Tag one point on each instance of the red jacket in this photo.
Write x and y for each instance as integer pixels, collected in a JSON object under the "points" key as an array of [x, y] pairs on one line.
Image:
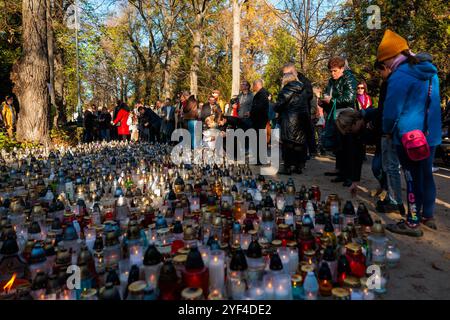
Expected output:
{"points": [[122, 116]]}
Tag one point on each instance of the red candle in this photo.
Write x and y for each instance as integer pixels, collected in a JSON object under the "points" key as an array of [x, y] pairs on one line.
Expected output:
{"points": [[196, 278]]}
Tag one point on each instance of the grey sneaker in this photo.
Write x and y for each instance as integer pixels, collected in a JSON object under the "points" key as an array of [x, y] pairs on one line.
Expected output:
{"points": [[404, 229]]}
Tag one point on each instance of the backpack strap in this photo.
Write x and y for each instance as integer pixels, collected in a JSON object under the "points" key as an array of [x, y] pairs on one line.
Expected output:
{"points": [[427, 108]]}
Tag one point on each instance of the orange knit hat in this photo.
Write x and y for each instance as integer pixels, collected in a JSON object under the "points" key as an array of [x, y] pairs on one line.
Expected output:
{"points": [[391, 45]]}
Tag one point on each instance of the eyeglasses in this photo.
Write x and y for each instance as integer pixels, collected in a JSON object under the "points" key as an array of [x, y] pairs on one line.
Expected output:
{"points": [[360, 88]]}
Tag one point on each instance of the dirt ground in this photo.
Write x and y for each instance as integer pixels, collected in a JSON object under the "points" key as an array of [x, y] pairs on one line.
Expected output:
{"points": [[424, 269]]}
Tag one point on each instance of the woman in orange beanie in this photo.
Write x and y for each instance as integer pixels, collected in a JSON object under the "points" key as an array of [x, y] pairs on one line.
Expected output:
{"points": [[412, 105]]}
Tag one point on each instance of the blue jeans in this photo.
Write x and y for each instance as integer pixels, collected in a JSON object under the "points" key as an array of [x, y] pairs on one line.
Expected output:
{"points": [[421, 185], [105, 135], [391, 166], [378, 172]]}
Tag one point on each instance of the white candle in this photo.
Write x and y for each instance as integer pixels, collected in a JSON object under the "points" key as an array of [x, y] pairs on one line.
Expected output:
{"points": [[268, 287], [293, 260], [289, 218], [204, 251], [368, 295], [136, 257], [123, 283], [237, 287], [217, 270], [282, 287], [90, 235], [285, 259], [356, 295], [245, 240], [256, 293]]}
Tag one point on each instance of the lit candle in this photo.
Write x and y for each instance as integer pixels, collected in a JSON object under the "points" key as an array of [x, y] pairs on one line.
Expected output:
{"points": [[356, 294], [285, 259], [136, 257], [204, 251], [293, 260], [282, 285], [237, 286], [392, 256], [217, 270], [245, 240], [256, 293], [268, 287], [368, 295], [90, 236]]}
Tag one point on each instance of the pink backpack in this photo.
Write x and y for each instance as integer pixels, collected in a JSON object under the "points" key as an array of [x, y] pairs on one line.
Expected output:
{"points": [[415, 141]]}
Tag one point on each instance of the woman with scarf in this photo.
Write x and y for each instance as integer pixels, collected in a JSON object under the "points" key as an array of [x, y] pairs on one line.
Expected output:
{"points": [[363, 99], [412, 109]]}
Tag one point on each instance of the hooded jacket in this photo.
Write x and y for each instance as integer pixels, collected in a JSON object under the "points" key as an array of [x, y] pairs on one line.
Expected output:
{"points": [[292, 105], [404, 107]]}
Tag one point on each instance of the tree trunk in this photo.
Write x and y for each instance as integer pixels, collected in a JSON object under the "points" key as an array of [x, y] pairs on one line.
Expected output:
{"points": [[236, 60], [166, 91], [59, 69], [148, 85], [32, 74], [51, 61], [195, 66]]}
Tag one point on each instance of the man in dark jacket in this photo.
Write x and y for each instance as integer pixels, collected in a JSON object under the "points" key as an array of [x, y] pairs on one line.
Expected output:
{"points": [[104, 124], [210, 108], [150, 124], [259, 112]]}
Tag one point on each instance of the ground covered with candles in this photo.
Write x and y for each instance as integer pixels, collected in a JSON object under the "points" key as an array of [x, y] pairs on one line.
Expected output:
{"points": [[122, 221]]}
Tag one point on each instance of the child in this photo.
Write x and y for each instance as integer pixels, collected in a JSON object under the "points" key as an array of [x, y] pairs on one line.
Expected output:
{"points": [[133, 124]]}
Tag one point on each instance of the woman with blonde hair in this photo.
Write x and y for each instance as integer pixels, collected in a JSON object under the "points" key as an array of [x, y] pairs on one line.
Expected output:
{"points": [[293, 109]]}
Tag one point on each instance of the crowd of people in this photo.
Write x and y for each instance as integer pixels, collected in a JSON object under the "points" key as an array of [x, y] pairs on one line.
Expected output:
{"points": [[404, 125]]}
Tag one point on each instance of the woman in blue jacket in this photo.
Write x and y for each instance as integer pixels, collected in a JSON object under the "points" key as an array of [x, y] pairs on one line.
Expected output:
{"points": [[404, 111]]}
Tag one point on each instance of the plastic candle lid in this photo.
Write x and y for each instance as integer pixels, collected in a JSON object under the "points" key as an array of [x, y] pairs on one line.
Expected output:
{"points": [[89, 293], [192, 293], [307, 268], [137, 286], [352, 282], [296, 278], [180, 259], [276, 243], [340, 292]]}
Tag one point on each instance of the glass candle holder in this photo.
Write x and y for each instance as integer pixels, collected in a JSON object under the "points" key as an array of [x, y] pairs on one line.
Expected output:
{"points": [[245, 240], [392, 256], [282, 287], [297, 287], [268, 286], [311, 286], [236, 285], [217, 271], [136, 255]]}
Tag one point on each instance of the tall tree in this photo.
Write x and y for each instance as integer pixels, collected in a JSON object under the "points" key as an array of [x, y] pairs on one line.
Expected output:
{"points": [[31, 75], [199, 10], [236, 62]]}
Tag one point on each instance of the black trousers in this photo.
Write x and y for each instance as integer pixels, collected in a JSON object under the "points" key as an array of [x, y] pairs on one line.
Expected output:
{"points": [[351, 157], [293, 154]]}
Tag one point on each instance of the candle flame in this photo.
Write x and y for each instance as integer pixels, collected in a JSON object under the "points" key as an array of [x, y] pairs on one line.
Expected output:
{"points": [[8, 286], [216, 259]]}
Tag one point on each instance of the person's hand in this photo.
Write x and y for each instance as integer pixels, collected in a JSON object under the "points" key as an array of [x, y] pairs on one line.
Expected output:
{"points": [[223, 133], [353, 189], [326, 99]]}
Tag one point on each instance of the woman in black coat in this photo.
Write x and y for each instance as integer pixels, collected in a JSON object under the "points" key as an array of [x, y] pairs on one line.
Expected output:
{"points": [[293, 107]]}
